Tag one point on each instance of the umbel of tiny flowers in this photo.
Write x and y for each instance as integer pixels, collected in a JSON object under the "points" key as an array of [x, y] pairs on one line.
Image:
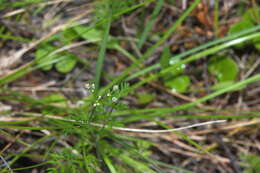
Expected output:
{"points": [[114, 99], [96, 104], [108, 100], [115, 87], [90, 87]]}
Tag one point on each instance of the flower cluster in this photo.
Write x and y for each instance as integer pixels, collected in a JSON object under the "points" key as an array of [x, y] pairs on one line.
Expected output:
{"points": [[111, 96], [90, 87]]}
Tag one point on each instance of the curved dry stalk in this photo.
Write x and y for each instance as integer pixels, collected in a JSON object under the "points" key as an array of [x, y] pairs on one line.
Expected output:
{"points": [[133, 129]]}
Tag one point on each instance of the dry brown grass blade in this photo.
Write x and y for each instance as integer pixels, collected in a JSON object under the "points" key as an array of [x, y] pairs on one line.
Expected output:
{"points": [[226, 127], [193, 154]]}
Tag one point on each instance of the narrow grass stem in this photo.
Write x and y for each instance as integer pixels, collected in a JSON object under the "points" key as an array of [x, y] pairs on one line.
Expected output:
{"points": [[101, 54]]}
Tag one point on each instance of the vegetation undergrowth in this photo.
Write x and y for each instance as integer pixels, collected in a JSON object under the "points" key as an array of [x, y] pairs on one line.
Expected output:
{"points": [[88, 136]]}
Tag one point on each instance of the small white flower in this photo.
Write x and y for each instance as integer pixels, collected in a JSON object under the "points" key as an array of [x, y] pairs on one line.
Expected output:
{"points": [[99, 97], [93, 86], [116, 87], [80, 102], [108, 94], [114, 99], [87, 86], [94, 104], [172, 62]]}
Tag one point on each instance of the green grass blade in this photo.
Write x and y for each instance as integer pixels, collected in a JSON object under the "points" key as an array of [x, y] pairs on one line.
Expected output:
{"points": [[109, 164], [181, 170], [101, 54], [196, 57], [28, 68], [17, 74], [152, 49], [149, 25], [160, 111], [126, 53], [196, 49]]}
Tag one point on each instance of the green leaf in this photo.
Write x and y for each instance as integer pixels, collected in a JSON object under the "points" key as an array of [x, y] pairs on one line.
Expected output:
{"points": [[113, 43], [54, 98], [240, 26], [179, 84], [176, 71], [252, 15], [43, 58], [223, 67], [256, 42], [90, 34], [66, 64], [165, 58], [69, 35], [257, 46], [145, 98], [66, 60], [253, 162]]}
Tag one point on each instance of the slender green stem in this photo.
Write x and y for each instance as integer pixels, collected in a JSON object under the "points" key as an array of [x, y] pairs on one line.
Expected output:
{"points": [[101, 54], [149, 25]]}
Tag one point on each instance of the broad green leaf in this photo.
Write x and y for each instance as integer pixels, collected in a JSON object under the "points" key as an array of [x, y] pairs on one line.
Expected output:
{"points": [[95, 35], [43, 59], [252, 15], [66, 64], [240, 26], [223, 67], [92, 35], [145, 98], [69, 35], [179, 83]]}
